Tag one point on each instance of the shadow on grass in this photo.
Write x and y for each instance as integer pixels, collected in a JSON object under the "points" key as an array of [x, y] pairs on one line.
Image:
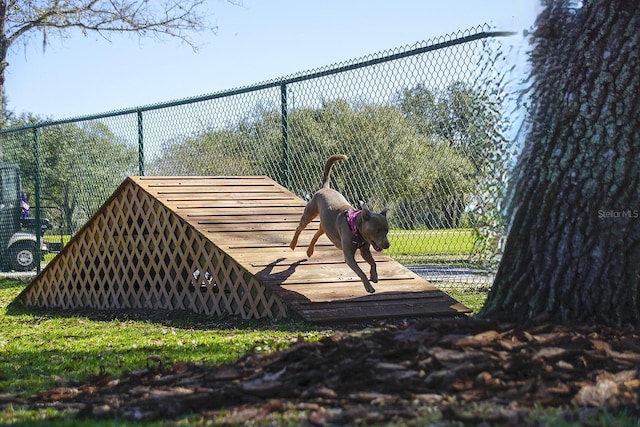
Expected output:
{"points": [[182, 319], [9, 283]]}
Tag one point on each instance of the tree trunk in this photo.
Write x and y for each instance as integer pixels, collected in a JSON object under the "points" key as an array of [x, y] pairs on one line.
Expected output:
{"points": [[573, 248]]}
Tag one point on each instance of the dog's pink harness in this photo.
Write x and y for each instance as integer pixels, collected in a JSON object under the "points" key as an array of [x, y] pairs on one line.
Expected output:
{"points": [[351, 215]]}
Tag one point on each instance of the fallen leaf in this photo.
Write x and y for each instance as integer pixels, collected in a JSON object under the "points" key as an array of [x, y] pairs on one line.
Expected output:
{"points": [[479, 340], [549, 353], [599, 394]]}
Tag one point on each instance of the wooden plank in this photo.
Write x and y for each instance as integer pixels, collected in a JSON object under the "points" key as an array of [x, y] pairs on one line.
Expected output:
{"points": [[304, 273], [313, 262], [246, 227], [246, 238], [359, 313], [274, 256], [327, 276], [177, 197], [353, 287], [217, 191], [157, 182], [437, 303], [297, 253], [350, 283], [346, 282], [309, 262], [279, 254], [339, 295], [273, 217], [276, 220], [381, 301], [258, 210], [228, 204], [240, 224]]}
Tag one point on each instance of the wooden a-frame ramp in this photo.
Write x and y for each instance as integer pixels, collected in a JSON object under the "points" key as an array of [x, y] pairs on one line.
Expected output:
{"points": [[220, 246]]}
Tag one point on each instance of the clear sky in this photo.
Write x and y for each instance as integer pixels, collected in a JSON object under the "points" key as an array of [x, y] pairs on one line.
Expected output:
{"points": [[257, 41]]}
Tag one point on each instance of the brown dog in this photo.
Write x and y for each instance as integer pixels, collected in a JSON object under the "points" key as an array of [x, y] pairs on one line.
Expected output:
{"points": [[347, 228]]}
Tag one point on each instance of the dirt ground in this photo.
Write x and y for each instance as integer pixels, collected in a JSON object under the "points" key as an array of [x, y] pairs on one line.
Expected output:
{"points": [[396, 373]]}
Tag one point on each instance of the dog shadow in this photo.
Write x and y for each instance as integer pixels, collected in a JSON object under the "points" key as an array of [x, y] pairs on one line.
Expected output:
{"points": [[273, 281], [278, 278]]}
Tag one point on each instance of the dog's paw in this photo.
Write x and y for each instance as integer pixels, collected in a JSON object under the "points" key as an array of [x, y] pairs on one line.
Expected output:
{"points": [[374, 277], [368, 287], [309, 252]]}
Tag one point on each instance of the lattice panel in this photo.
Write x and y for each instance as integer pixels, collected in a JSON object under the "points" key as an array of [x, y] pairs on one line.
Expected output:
{"points": [[136, 253]]}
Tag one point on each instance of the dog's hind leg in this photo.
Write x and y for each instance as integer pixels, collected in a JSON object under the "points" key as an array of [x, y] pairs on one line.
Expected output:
{"points": [[310, 212], [315, 238]]}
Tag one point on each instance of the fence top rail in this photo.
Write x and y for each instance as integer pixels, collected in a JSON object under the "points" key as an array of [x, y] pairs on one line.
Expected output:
{"points": [[477, 33]]}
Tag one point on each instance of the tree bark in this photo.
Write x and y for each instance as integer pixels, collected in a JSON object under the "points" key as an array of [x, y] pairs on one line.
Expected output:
{"points": [[573, 248]]}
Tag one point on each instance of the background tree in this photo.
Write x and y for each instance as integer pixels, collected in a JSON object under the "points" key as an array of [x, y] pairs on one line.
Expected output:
{"points": [[467, 120], [75, 192], [242, 148], [573, 248], [386, 168], [21, 20], [464, 117]]}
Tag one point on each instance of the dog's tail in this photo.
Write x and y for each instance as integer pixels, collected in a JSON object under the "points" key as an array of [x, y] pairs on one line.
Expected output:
{"points": [[327, 168]]}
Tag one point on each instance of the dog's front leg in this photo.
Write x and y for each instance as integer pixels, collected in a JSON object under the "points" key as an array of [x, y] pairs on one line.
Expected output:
{"points": [[349, 258], [365, 251]]}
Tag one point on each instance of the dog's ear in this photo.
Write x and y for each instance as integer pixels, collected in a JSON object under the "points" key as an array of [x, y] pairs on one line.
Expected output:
{"points": [[384, 211], [366, 213]]}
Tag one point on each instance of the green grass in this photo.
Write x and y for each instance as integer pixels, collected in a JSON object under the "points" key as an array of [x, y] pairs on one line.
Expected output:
{"points": [[474, 300], [39, 350], [450, 246], [55, 238]]}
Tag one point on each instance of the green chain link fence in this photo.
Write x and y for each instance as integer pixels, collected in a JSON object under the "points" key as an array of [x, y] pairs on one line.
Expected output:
{"points": [[422, 126]]}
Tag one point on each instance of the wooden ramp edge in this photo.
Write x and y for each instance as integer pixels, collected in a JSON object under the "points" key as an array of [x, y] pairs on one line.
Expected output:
{"points": [[220, 246]]}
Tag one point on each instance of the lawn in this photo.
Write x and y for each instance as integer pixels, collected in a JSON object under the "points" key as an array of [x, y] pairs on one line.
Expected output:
{"points": [[433, 242], [42, 350], [432, 246], [57, 240]]}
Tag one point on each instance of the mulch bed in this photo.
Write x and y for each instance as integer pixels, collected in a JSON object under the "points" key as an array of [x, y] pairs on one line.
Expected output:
{"points": [[395, 373]]}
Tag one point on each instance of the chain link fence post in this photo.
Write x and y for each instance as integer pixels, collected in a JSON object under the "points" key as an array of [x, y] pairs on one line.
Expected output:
{"points": [[37, 195], [140, 143], [284, 111]]}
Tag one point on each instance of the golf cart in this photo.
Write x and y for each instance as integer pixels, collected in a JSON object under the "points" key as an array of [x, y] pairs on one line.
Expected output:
{"points": [[18, 250]]}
